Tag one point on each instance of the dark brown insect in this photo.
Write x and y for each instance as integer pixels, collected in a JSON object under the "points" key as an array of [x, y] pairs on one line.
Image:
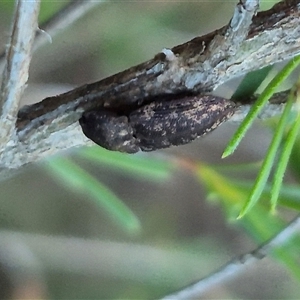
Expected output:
{"points": [[157, 125]]}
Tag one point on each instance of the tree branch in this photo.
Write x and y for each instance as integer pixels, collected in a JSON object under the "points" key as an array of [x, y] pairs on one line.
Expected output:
{"points": [[15, 76], [198, 66], [238, 265], [59, 21]]}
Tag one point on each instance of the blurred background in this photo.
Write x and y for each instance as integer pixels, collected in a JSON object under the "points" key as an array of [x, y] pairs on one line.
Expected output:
{"points": [[58, 242]]}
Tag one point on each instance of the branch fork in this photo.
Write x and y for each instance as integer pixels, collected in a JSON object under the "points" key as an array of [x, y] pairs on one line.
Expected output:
{"points": [[249, 42]]}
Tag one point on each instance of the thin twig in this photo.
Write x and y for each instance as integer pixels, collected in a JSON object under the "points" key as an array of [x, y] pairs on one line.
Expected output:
{"points": [[18, 56], [64, 18], [238, 265], [60, 21]]}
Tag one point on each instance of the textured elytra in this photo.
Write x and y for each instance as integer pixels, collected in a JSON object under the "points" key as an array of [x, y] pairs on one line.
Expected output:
{"points": [[177, 122], [157, 125]]}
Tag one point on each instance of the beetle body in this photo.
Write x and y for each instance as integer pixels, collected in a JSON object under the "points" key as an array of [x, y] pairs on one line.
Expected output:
{"points": [[159, 124]]}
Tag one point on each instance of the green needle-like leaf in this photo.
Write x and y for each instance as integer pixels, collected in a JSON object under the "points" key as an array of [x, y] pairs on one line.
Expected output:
{"points": [[259, 104], [268, 162], [283, 161], [289, 194], [81, 181], [141, 166]]}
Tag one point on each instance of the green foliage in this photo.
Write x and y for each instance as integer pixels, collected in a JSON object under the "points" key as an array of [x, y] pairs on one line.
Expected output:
{"points": [[269, 160], [294, 162], [79, 180], [140, 166], [259, 223], [284, 158], [259, 105]]}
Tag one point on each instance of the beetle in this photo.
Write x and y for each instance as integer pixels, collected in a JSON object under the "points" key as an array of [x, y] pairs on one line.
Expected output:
{"points": [[158, 124]]}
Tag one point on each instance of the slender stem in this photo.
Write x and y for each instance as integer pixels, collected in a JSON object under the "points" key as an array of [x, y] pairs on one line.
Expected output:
{"points": [[236, 266]]}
